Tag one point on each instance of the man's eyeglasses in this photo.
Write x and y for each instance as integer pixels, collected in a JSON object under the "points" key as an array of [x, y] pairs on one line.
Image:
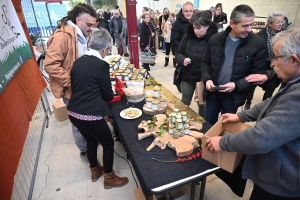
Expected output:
{"points": [[188, 11], [274, 58]]}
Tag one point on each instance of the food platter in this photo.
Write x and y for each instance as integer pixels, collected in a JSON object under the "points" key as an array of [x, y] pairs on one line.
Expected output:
{"points": [[131, 113]]}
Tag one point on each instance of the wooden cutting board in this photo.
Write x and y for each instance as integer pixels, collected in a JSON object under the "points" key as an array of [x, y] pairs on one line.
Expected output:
{"points": [[183, 146]]}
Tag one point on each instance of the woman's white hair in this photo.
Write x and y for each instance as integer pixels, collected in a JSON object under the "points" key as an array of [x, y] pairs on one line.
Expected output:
{"points": [[100, 39], [274, 14], [290, 43]]}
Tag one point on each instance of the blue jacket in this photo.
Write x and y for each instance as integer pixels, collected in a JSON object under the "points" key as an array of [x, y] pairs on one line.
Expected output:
{"points": [[273, 144]]}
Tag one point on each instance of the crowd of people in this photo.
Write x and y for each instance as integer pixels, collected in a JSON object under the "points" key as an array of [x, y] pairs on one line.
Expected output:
{"points": [[223, 65]]}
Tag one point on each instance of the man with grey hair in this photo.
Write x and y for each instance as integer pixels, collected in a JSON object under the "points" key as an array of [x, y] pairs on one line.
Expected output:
{"points": [[118, 27], [65, 45], [91, 90], [275, 21], [230, 57], [272, 144]]}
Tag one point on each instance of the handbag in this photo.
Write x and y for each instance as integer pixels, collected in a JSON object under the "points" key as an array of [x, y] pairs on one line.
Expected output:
{"points": [[120, 48], [147, 56], [177, 72], [176, 76]]}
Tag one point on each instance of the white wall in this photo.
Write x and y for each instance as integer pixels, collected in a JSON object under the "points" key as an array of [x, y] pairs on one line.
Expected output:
{"points": [[262, 8], [155, 5]]}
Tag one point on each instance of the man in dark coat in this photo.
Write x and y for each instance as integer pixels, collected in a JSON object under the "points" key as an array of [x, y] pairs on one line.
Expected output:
{"points": [[118, 26], [107, 17], [230, 57], [179, 28]]}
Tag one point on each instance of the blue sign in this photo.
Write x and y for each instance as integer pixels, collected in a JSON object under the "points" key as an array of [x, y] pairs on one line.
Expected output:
{"points": [[196, 4]]}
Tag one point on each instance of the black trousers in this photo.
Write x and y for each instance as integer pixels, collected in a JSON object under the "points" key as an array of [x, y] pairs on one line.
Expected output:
{"points": [[260, 194], [168, 49], [96, 132]]}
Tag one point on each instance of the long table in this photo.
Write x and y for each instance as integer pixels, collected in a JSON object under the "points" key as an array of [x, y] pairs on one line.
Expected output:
{"points": [[158, 177]]}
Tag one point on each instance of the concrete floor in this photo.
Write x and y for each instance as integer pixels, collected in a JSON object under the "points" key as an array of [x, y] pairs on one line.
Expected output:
{"points": [[62, 174]]}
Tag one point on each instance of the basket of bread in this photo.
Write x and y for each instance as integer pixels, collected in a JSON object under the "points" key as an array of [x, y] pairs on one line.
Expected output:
{"points": [[134, 94]]}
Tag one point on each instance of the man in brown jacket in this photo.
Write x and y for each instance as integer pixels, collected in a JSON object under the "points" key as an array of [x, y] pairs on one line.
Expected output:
{"points": [[66, 44]]}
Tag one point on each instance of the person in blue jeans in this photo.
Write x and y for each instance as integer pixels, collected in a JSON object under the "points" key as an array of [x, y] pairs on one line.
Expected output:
{"points": [[65, 45], [230, 57]]}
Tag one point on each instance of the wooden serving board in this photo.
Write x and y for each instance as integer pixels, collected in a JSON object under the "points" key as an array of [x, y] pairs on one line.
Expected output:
{"points": [[183, 146], [149, 111]]}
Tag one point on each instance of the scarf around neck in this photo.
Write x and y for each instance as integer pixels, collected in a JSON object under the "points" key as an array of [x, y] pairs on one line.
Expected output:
{"points": [[270, 35]]}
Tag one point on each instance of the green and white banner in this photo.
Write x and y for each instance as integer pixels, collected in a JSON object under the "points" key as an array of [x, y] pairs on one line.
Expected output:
{"points": [[14, 47]]}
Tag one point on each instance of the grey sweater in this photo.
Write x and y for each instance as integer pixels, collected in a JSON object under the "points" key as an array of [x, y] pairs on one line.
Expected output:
{"points": [[272, 146]]}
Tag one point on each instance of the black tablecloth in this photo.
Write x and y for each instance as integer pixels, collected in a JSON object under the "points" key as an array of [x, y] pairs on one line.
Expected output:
{"points": [[152, 174]]}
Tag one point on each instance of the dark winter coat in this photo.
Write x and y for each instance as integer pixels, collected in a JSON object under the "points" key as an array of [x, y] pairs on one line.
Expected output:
{"points": [[272, 76], [194, 48], [250, 58], [145, 31], [179, 28], [106, 16], [101, 22]]}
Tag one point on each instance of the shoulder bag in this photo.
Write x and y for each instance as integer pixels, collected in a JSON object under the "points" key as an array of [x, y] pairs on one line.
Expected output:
{"points": [[177, 72]]}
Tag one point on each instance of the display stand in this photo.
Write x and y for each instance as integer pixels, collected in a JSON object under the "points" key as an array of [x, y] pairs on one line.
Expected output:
{"points": [[119, 90]]}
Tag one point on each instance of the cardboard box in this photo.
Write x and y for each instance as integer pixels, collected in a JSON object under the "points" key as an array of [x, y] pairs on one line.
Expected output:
{"points": [[139, 195], [60, 110], [226, 160]]}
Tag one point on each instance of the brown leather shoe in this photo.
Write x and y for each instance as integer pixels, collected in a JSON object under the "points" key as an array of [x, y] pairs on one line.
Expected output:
{"points": [[112, 180], [96, 172]]}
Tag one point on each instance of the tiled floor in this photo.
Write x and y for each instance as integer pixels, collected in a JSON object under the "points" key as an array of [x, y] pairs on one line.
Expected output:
{"points": [[63, 175]]}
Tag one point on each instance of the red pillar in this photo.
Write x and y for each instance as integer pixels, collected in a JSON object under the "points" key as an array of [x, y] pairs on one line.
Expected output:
{"points": [[132, 32]]}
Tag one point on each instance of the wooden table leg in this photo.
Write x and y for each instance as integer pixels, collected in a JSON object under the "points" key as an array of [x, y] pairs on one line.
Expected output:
{"points": [[202, 188]]}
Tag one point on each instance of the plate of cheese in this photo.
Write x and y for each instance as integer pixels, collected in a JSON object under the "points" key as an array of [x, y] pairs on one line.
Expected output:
{"points": [[131, 113]]}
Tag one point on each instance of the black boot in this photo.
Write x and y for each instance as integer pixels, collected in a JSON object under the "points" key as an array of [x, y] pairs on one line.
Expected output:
{"points": [[166, 61], [174, 62]]}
